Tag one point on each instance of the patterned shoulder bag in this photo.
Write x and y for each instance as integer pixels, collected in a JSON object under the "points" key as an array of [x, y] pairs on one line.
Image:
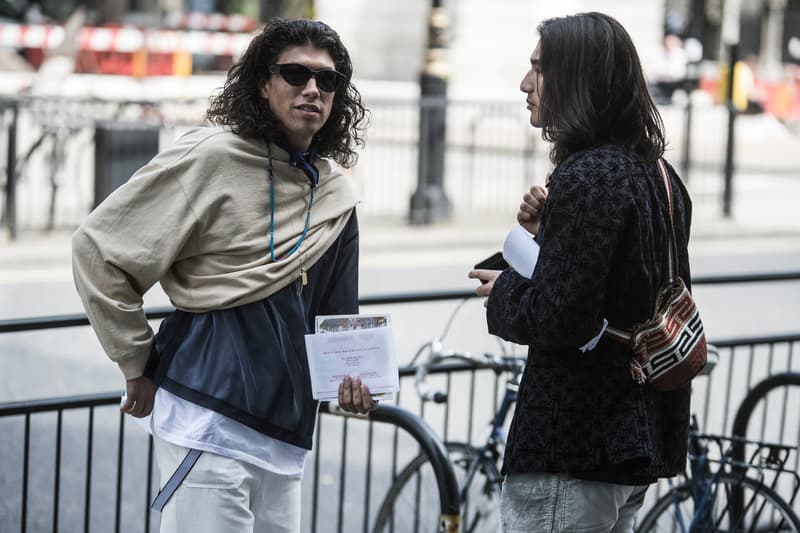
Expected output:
{"points": [[670, 348]]}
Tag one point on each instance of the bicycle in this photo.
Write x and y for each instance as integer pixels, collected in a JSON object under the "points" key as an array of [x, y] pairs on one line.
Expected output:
{"points": [[736, 495], [726, 498], [410, 503]]}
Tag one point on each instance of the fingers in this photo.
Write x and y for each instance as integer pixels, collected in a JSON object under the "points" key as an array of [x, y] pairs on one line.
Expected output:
{"points": [[127, 405], [144, 406], [529, 206], [486, 278], [530, 209], [346, 393], [136, 408], [140, 397], [368, 403], [527, 220], [485, 289], [355, 397], [358, 397], [484, 274], [533, 202], [538, 193]]}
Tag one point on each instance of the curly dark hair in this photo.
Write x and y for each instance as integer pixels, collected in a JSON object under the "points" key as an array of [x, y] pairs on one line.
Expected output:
{"points": [[594, 91], [240, 105]]}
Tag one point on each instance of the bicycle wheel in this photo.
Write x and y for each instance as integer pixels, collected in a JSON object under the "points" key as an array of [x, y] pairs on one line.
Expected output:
{"points": [[412, 503], [741, 505]]}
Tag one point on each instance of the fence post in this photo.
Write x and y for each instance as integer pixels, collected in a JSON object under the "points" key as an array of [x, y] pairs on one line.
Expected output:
{"points": [[11, 168], [429, 202], [686, 160], [731, 29], [727, 195]]}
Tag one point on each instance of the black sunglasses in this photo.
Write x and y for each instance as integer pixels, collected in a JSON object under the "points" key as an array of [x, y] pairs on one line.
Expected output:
{"points": [[295, 74]]}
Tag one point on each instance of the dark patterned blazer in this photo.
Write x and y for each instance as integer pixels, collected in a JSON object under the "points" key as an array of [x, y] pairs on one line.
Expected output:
{"points": [[603, 236]]}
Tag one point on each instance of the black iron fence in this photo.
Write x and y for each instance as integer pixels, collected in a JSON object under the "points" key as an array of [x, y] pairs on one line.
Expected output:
{"points": [[49, 150], [106, 482], [76, 464]]}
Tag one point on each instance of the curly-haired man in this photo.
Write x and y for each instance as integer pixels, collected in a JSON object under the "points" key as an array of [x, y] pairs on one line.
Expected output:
{"points": [[250, 227]]}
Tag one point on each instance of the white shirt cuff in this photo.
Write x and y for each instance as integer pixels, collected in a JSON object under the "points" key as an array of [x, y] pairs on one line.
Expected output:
{"points": [[593, 342]]}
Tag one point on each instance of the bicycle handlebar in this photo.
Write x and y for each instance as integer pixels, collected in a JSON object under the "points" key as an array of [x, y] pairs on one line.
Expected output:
{"points": [[437, 355]]}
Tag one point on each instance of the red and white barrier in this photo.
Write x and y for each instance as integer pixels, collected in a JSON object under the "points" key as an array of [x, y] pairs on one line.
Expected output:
{"points": [[210, 21], [126, 39]]}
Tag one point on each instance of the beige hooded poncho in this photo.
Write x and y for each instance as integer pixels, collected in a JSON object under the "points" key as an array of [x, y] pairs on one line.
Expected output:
{"points": [[196, 219]]}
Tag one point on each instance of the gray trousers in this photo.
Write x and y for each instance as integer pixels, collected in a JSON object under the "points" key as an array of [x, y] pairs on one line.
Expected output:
{"points": [[555, 503]]}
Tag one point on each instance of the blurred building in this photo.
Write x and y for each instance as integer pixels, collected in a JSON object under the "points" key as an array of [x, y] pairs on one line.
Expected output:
{"points": [[488, 43], [767, 27]]}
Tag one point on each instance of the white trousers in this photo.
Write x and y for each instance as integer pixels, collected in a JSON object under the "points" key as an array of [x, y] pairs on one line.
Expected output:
{"points": [[224, 495]]}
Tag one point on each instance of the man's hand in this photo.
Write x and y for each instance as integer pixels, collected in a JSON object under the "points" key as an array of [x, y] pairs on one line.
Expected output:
{"points": [[486, 278], [354, 396], [530, 210], [141, 394]]}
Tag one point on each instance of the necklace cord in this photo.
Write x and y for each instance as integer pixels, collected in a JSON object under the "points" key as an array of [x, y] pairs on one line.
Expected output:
{"points": [[272, 211]]}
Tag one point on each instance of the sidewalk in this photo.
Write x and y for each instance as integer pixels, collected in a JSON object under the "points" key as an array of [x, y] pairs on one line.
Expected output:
{"points": [[766, 219]]}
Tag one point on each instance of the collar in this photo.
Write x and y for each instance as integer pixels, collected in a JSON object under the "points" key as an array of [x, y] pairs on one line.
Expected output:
{"points": [[302, 160]]}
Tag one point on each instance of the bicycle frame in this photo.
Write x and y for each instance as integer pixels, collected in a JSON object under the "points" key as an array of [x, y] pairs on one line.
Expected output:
{"points": [[488, 450], [497, 434], [704, 481], [509, 398]]}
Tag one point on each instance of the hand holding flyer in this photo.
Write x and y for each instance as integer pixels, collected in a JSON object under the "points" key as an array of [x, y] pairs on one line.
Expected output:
{"points": [[354, 345]]}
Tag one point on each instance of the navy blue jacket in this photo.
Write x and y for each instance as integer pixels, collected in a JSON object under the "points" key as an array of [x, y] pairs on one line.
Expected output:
{"points": [[249, 362]]}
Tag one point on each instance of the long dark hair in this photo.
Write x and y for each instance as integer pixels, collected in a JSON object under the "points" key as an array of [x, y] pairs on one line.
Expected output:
{"points": [[593, 89], [241, 106]]}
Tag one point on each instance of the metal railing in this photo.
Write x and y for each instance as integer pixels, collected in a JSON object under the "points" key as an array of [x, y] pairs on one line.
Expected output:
{"points": [[116, 488], [59, 406], [76, 464]]}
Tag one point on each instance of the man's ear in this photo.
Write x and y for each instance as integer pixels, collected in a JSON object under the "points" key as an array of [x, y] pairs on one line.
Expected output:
{"points": [[263, 90]]}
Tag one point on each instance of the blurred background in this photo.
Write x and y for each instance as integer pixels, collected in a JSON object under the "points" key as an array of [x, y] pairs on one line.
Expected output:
{"points": [[83, 80]]}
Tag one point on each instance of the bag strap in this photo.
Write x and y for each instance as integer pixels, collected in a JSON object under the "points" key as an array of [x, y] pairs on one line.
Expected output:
{"points": [[623, 335], [672, 252]]}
